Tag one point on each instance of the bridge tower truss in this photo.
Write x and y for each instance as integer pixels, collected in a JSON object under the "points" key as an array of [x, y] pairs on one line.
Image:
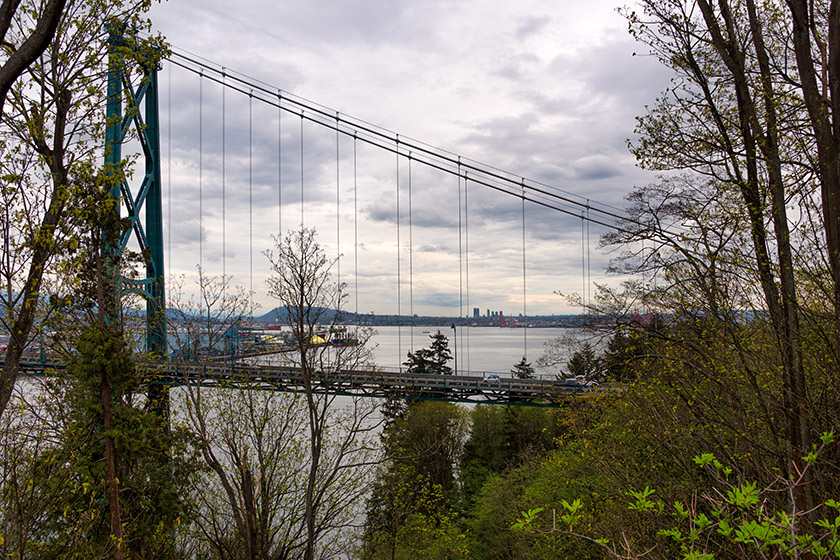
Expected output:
{"points": [[146, 196]]}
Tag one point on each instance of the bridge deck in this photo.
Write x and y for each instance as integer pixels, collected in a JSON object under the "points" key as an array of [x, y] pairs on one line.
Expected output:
{"points": [[372, 383]]}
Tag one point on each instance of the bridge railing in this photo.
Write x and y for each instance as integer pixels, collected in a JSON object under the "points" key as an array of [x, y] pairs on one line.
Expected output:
{"points": [[373, 381]]}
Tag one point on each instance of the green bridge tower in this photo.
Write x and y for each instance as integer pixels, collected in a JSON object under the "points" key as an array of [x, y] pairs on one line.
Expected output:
{"points": [[146, 196]]}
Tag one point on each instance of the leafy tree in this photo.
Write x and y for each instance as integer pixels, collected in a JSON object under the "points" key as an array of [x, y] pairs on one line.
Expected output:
{"points": [[339, 448], [624, 355], [523, 369], [415, 492], [502, 438], [123, 494], [742, 123], [120, 498], [52, 130], [732, 520], [408, 518], [22, 51], [28, 434]]}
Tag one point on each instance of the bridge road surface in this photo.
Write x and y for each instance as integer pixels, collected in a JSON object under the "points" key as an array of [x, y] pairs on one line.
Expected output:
{"points": [[372, 383]]}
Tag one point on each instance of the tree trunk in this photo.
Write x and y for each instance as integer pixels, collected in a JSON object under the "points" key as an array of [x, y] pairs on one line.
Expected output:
{"points": [[43, 244], [316, 435], [33, 47], [111, 470], [786, 319], [111, 481], [821, 111], [21, 326]]}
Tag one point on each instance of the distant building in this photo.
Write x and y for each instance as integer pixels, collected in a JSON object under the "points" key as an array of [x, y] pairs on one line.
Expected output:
{"points": [[476, 312]]}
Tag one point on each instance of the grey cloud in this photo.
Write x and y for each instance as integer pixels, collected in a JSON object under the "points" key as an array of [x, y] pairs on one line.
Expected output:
{"points": [[516, 66], [433, 249], [445, 300], [596, 166], [531, 25]]}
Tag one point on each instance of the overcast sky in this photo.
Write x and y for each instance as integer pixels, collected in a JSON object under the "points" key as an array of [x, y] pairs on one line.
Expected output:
{"points": [[545, 90]]}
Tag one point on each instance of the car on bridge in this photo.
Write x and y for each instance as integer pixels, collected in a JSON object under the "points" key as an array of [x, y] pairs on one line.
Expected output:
{"points": [[570, 383], [576, 384], [491, 379]]}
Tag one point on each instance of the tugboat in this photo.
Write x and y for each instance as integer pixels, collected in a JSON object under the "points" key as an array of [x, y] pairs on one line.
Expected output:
{"points": [[340, 338]]}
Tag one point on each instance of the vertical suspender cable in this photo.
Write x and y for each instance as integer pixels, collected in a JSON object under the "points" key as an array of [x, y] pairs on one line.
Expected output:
{"points": [[279, 166], [251, 196], [356, 230], [399, 279], [338, 210], [583, 260], [460, 253], [410, 260], [465, 333], [524, 289], [169, 171], [302, 221], [201, 170], [224, 181]]}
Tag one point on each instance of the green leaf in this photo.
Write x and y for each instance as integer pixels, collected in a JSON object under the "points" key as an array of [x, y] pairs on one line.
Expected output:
{"points": [[743, 496]]}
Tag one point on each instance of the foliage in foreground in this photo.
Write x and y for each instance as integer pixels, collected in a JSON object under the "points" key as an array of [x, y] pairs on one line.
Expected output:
{"points": [[735, 520], [56, 488]]}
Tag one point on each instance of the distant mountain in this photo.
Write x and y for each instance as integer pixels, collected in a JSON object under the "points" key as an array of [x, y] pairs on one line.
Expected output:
{"points": [[280, 315]]}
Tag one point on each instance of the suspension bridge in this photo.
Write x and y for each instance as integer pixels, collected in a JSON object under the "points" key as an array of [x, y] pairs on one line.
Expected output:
{"points": [[370, 193]]}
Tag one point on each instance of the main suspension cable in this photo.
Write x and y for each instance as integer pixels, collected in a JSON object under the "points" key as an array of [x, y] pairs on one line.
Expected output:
{"points": [[485, 175]]}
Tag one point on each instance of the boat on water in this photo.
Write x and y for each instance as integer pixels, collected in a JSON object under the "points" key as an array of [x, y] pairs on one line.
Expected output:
{"points": [[340, 338]]}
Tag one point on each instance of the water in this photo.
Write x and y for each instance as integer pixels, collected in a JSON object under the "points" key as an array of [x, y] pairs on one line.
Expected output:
{"points": [[480, 350]]}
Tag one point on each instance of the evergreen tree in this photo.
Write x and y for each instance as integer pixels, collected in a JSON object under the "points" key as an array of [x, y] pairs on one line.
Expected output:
{"points": [[433, 359], [523, 369], [120, 493], [411, 509], [584, 363]]}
